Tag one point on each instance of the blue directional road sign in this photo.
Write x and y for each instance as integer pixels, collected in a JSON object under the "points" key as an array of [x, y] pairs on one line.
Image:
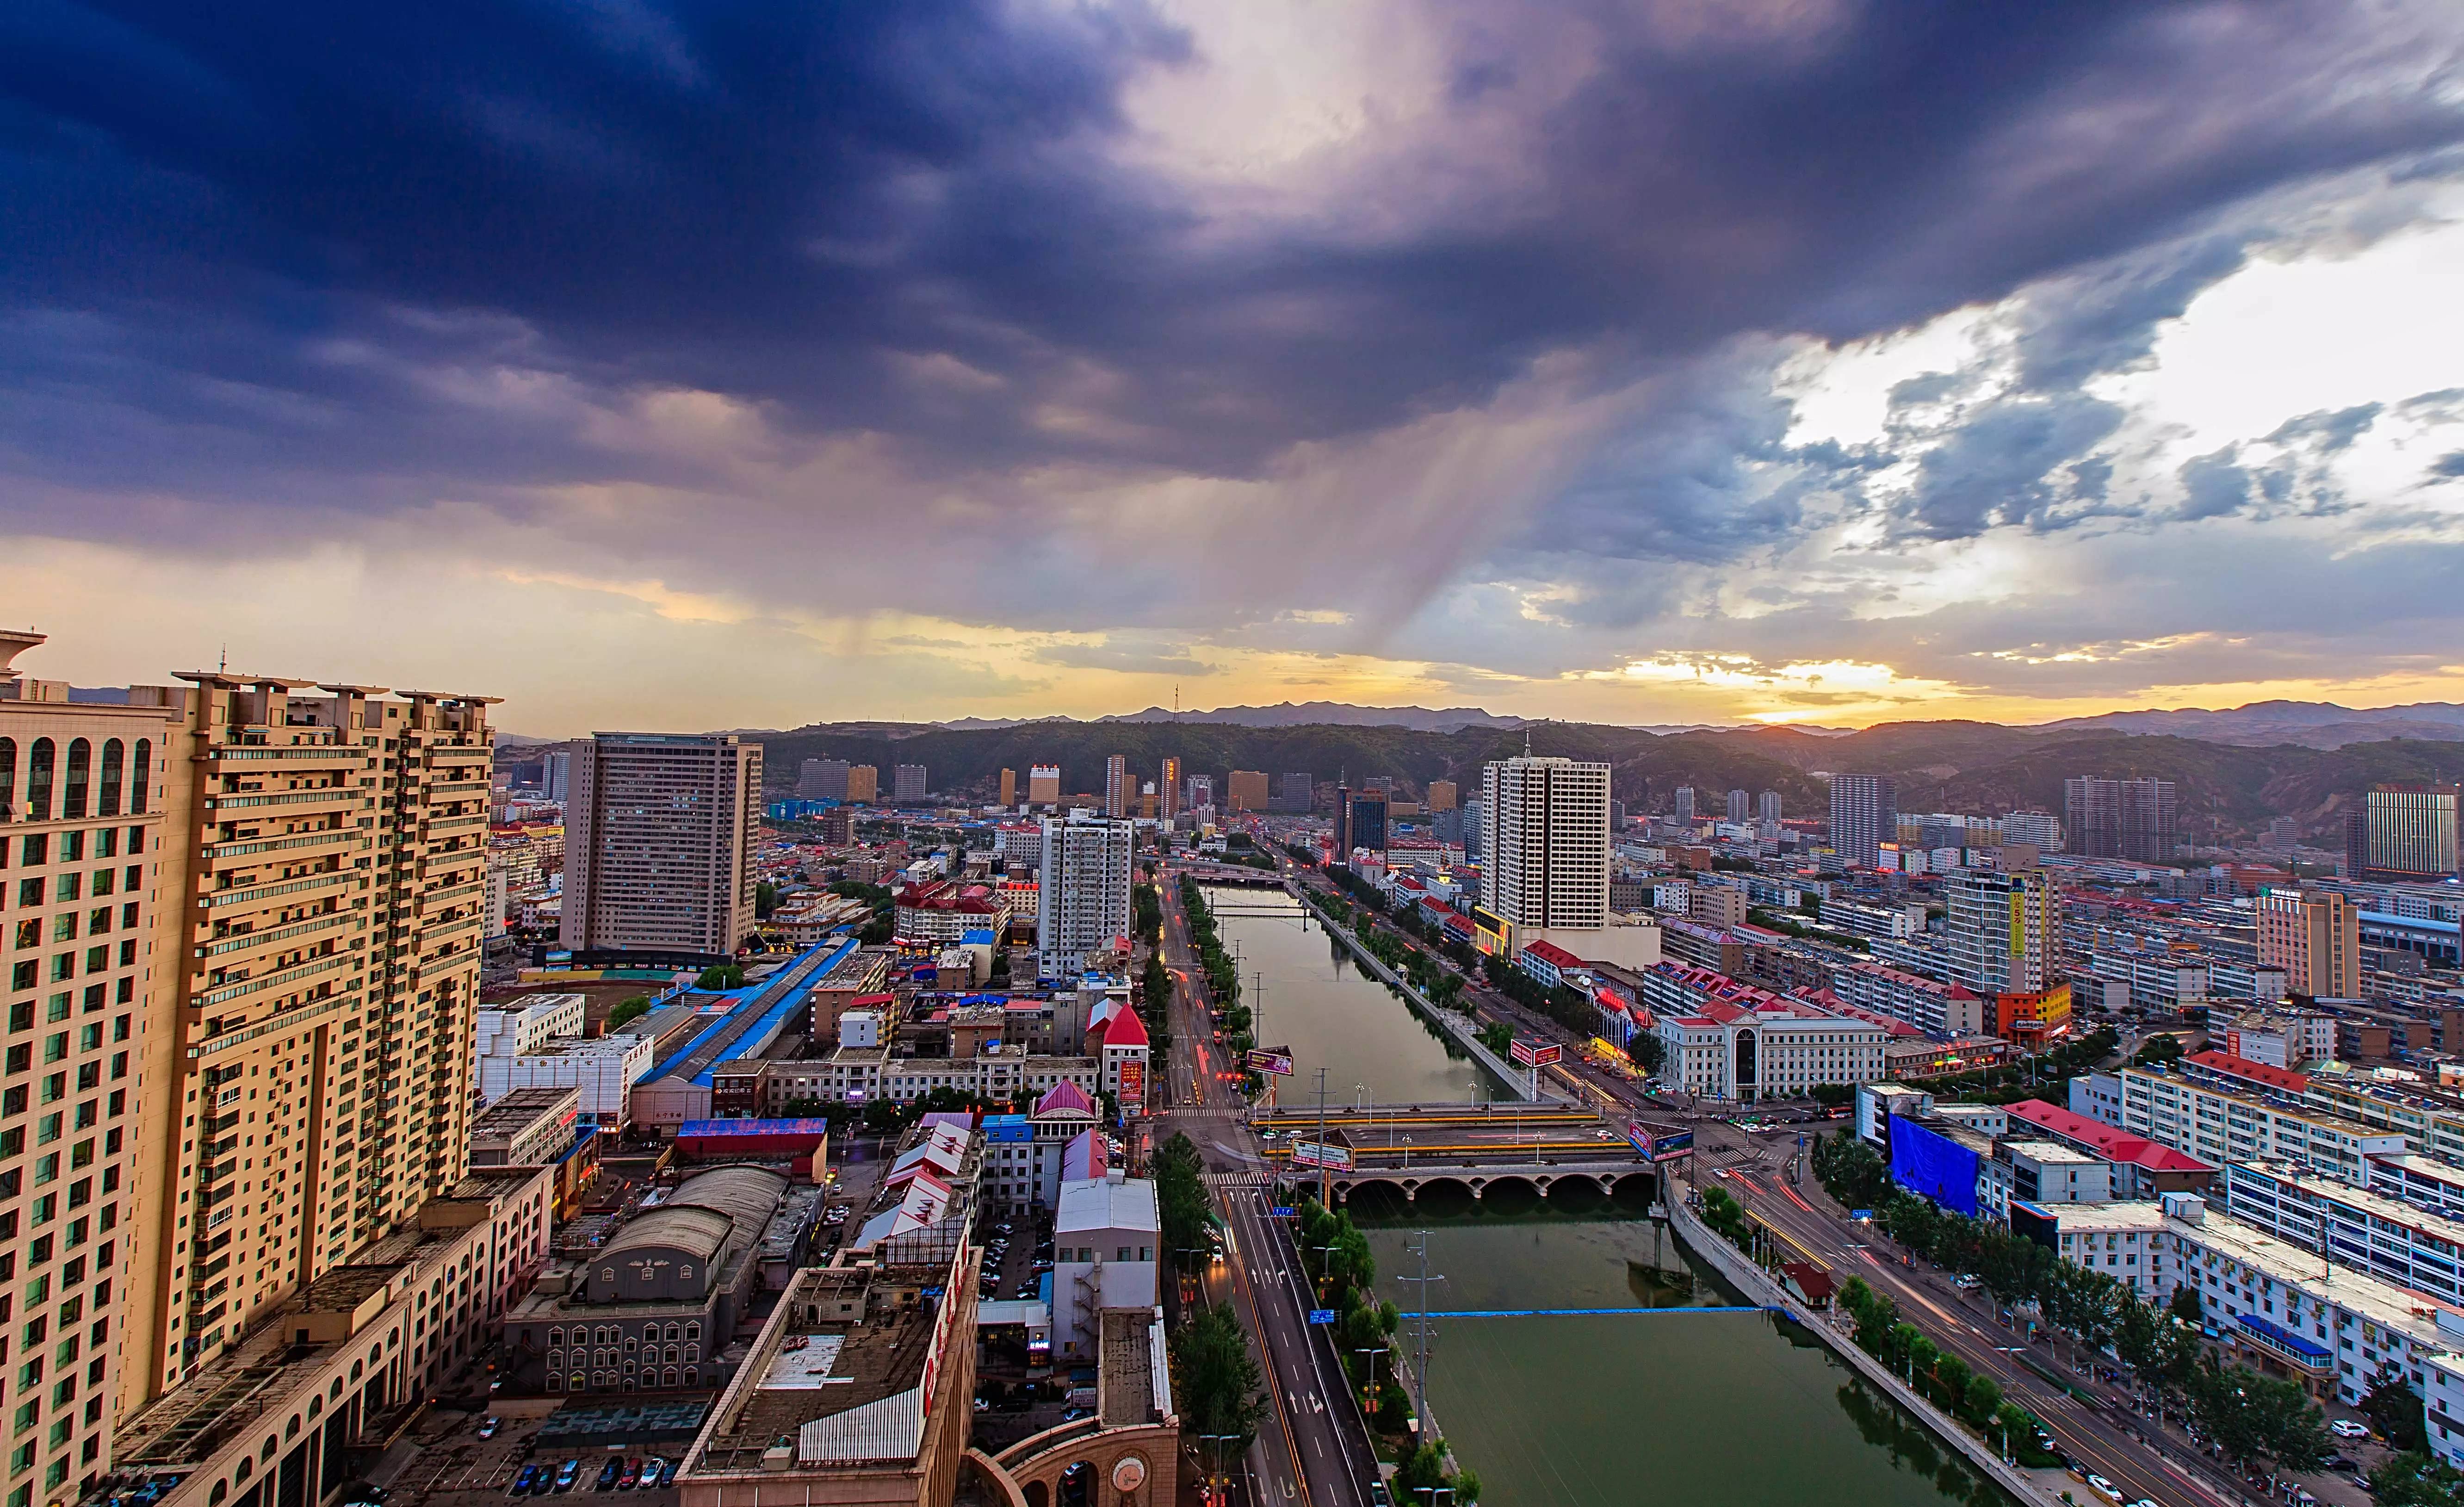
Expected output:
{"points": [[1285, 1212], [1321, 1315]]}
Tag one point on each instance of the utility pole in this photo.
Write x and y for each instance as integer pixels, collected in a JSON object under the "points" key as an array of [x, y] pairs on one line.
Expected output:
{"points": [[1321, 1173], [1420, 1340]]}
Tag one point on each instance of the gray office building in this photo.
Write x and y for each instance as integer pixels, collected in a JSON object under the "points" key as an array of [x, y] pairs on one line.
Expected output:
{"points": [[1864, 815], [1299, 795]]}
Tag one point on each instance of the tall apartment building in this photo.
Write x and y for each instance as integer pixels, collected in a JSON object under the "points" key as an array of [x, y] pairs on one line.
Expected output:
{"points": [[1864, 815], [2316, 938], [1740, 808], [1685, 803], [1044, 785], [822, 780], [82, 789], [1008, 788], [1168, 790], [1116, 786], [908, 783], [2041, 831], [1197, 792], [658, 858], [1363, 824], [1247, 790], [1082, 899], [556, 776], [1442, 795], [2412, 832], [1768, 807], [1545, 842], [1475, 819], [308, 1047], [1299, 793], [2004, 931], [2130, 819], [864, 785]]}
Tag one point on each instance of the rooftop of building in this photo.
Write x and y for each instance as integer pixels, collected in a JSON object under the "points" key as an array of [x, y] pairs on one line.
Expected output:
{"points": [[838, 1377], [1111, 1201], [2111, 1141], [2394, 1211], [2051, 1151], [2380, 1302], [518, 1109], [2226, 1064], [2118, 1217]]}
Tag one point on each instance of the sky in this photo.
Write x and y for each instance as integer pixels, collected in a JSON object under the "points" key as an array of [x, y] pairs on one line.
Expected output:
{"points": [[679, 367]]}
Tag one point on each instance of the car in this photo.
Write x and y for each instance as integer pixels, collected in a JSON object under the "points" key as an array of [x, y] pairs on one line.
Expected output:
{"points": [[2143, 1502], [2103, 1487], [523, 1483], [1378, 1495], [667, 1473], [2347, 1429], [1965, 1282], [488, 1427], [631, 1475], [608, 1474], [1073, 1414], [567, 1473]]}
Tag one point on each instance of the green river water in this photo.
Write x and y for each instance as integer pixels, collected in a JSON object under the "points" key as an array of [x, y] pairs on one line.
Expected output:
{"points": [[1707, 1409]]}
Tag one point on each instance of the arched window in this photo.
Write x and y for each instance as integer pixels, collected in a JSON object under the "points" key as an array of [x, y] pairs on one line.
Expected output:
{"points": [[8, 778], [115, 756], [73, 794], [141, 776], [693, 1330], [556, 1336], [38, 781]]}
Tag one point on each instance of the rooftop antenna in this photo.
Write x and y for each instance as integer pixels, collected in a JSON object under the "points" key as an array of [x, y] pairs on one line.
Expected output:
{"points": [[223, 664]]}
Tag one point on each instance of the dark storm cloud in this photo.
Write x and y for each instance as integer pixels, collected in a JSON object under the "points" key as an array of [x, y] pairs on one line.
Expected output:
{"points": [[762, 201]]}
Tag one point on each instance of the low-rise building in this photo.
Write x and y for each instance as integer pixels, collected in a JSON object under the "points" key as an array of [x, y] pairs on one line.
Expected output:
{"points": [[2369, 1231], [1728, 1039], [2043, 1172], [1106, 1246], [654, 1307], [2220, 1124], [527, 1127], [2129, 1242], [1930, 1005], [2140, 1168], [946, 910]]}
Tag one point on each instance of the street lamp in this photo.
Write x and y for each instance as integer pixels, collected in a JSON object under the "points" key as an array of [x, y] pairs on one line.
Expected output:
{"points": [[1215, 1471], [1407, 1153]]}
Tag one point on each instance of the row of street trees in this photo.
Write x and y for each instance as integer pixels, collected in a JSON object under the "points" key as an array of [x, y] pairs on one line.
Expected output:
{"points": [[2258, 1421]]}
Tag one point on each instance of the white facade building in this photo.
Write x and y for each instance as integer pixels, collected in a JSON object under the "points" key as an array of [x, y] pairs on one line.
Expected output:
{"points": [[1544, 843], [1083, 898], [604, 1068]]}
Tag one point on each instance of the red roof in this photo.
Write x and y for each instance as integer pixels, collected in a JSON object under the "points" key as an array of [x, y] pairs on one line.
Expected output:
{"points": [[1123, 1029], [2231, 1066], [1550, 953], [2111, 1141]]}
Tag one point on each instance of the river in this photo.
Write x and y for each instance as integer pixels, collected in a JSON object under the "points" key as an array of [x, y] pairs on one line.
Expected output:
{"points": [[1665, 1403]]}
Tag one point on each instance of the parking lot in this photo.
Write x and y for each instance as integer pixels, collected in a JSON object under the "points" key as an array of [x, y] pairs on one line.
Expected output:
{"points": [[451, 1464]]}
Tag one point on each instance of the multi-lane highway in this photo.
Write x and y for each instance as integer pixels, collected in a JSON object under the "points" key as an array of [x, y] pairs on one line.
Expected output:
{"points": [[1311, 1452]]}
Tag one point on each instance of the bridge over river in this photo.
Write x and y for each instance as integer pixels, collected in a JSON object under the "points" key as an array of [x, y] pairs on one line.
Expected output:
{"points": [[1475, 1148]]}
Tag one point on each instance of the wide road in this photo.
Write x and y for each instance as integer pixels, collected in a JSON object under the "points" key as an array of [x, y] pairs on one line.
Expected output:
{"points": [[1311, 1452]]}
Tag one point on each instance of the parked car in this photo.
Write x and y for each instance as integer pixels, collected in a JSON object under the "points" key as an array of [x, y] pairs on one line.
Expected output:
{"points": [[489, 1426], [2103, 1487], [2347, 1429], [567, 1473], [631, 1475], [652, 1470], [667, 1473], [608, 1474], [523, 1483]]}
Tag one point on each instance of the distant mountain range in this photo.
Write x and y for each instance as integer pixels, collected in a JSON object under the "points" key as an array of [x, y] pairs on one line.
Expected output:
{"points": [[2309, 725]]}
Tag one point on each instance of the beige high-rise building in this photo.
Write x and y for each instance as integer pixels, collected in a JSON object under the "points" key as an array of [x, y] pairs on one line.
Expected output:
{"points": [[1116, 786], [1009, 788], [82, 793], [864, 785], [659, 844], [1441, 795], [1247, 790], [1168, 790], [2315, 938], [1044, 785], [308, 1046]]}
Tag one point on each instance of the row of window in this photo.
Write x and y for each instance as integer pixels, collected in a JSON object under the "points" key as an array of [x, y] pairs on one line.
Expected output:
{"points": [[120, 776]]}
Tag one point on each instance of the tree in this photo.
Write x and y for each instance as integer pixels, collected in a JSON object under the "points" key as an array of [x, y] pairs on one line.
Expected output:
{"points": [[2415, 1480], [1647, 1053], [2394, 1410], [2156, 1050], [628, 1009], [2259, 1420], [2185, 1305], [1832, 1096], [1215, 1380], [723, 976], [765, 900], [1180, 1195]]}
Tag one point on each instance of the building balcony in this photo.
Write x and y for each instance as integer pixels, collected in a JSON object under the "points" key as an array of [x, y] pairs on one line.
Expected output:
{"points": [[2303, 1356]]}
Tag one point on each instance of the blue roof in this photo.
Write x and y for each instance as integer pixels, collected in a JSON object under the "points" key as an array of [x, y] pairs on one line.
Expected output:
{"points": [[2286, 1339], [978, 936], [837, 947], [1000, 1128], [2412, 922]]}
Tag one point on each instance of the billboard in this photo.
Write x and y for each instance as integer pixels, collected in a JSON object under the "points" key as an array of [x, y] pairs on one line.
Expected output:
{"points": [[1133, 1087], [1933, 1166], [1659, 1145], [1277, 1060], [1536, 1056], [1316, 1154]]}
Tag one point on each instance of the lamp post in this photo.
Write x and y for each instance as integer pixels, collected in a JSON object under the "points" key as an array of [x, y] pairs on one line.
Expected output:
{"points": [[1215, 1470], [1407, 1153]]}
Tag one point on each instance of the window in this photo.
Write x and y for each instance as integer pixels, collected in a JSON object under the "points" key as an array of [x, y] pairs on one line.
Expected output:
{"points": [[140, 775], [114, 760], [73, 795], [38, 783]]}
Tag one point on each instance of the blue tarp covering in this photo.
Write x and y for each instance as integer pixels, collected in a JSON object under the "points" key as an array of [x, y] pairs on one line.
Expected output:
{"points": [[1933, 1166]]}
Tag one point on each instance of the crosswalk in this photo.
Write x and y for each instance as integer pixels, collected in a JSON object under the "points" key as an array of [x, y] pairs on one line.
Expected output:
{"points": [[1236, 1179]]}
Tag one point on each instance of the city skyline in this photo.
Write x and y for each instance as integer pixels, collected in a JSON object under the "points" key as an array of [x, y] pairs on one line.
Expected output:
{"points": [[1824, 363]]}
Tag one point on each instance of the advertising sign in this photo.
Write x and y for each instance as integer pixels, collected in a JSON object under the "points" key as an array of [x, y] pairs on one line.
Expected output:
{"points": [[1133, 1087], [1659, 1145], [1277, 1060], [1535, 1056], [1313, 1154]]}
